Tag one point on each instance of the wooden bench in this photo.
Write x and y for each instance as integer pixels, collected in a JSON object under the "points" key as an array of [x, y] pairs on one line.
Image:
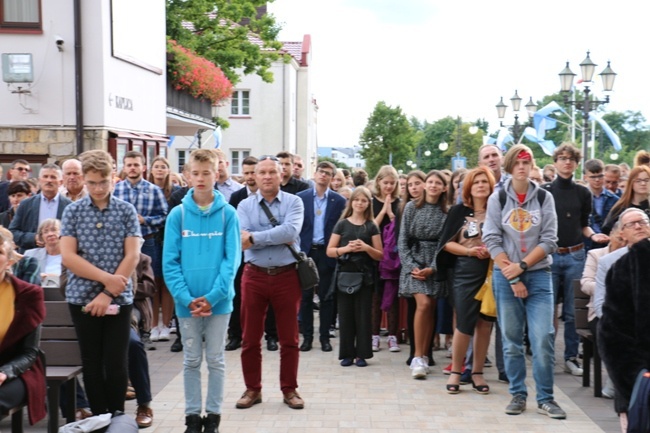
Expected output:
{"points": [[63, 358], [16, 414], [589, 347]]}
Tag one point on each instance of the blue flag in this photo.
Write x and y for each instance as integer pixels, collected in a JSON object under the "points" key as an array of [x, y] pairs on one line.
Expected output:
{"points": [[616, 142]]}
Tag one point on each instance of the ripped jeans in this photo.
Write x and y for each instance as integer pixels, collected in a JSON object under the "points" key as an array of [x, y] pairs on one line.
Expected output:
{"points": [[194, 331]]}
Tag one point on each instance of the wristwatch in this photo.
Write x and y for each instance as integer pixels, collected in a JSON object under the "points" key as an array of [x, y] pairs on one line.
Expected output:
{"points": [[523, 265]]}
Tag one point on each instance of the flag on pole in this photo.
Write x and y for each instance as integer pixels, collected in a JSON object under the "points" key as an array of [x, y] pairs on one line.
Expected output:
{"points": [[502, 138], [616, 141], [547, 145], [217, 137], [171, 140]]}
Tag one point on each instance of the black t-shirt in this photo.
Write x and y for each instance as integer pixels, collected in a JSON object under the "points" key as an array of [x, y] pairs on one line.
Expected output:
{"points": [[354, 262], [573, 207]]}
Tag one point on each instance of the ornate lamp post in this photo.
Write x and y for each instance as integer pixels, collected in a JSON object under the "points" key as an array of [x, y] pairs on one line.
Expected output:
{"points": [[517, 128], [586, 105]]}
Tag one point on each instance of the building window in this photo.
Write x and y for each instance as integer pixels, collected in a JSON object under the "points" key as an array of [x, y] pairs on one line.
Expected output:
{"points": [[236, 162], [20, 14], [240, 105], [182, 157]]}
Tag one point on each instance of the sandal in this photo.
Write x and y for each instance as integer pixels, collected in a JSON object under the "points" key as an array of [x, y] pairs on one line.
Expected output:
{"points": [[481, 389], [454, 388]]}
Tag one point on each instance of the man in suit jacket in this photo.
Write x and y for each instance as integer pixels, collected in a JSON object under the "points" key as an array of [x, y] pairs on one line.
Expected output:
{"points": [[32, 211], [323, 208]]}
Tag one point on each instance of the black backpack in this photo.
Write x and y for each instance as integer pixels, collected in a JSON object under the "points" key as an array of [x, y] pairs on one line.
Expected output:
{"points": [[541, 196]]}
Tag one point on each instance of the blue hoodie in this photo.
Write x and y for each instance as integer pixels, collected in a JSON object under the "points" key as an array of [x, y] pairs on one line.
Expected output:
{"points": [[201, 254]]}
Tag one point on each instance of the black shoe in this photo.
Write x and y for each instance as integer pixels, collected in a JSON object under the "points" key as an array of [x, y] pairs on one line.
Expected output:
{"points": [[271, 344], [211, 423], [177, 346], [306, 345], [193, 423], [325, 346], [234, 343], [503, 378]]}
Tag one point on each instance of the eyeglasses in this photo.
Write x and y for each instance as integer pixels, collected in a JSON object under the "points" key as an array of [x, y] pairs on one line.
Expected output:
{"points": [[565, 159], [103, 184], [27, 169], [596, 176], [265, 157], [325, 172], [641, 223], [639, 180]]}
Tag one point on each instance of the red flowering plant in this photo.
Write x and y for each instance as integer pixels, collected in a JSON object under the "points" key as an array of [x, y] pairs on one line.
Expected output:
{"points": [[197, 75]]}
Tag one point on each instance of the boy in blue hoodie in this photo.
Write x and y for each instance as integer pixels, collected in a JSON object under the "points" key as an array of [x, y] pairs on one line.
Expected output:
{"points": [[201, 254]]}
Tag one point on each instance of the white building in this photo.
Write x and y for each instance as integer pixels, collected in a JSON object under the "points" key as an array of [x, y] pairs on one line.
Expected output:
{"points": [[350, 156], [265, 118], [98, 80]]}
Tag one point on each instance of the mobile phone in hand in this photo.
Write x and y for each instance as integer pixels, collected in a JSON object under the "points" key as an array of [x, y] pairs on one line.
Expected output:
{"points": [[112, 310]]}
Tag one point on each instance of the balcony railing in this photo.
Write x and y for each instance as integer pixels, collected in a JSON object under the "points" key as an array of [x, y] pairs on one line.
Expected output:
{"points": [[181, 100]]}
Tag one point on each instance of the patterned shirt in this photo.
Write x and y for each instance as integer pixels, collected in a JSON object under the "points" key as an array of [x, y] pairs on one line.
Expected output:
{"points": [[100, 238], [149, 201]]}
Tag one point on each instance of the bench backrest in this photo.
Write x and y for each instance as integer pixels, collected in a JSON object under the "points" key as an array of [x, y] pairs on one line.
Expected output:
{"points": [[58, 336], [580, 300]]}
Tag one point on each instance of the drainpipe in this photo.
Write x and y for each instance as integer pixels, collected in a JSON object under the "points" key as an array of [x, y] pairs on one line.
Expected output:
{"points": [[78, 79], [284, 106]]}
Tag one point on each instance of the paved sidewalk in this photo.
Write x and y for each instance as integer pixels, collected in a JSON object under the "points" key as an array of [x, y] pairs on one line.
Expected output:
{"points": [[380, 398]]}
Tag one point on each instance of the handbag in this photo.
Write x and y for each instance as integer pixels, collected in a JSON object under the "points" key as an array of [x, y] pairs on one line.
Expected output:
{"points": [[307, 270], [349, 282]]}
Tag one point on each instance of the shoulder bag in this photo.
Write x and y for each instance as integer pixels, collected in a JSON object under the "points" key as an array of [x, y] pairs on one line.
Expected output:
{"points": [[307, 270]]}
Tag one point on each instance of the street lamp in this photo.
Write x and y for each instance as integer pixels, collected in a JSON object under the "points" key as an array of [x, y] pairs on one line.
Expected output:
{"points": [[586, 105], [517, 128]]}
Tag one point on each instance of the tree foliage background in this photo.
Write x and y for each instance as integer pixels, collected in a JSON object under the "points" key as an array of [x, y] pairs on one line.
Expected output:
{"points": [[219, 32]]}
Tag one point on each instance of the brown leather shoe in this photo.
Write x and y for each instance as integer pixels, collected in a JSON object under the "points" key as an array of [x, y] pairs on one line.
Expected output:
{"points": [[144, 416], [248, 399], [130, 393], [293, 400]]}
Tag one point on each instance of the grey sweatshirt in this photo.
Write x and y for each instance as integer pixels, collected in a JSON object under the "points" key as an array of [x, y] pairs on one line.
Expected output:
{"points": [[515, 227]]}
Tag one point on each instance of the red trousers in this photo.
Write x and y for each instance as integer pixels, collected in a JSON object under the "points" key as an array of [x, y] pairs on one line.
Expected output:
{"points": [[283, 293]]}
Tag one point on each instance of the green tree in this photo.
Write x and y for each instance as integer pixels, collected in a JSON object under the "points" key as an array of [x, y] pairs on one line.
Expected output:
{"points": [[387, 138], [220, 31]]}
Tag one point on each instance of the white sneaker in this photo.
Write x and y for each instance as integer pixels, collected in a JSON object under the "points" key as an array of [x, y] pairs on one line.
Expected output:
{"points": [[392, 344], [375, 343], [164, 334], [572, 366], [425, 360], [155, 334], [418, 368]]}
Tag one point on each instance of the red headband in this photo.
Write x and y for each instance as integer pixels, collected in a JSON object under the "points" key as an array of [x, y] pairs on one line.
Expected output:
{"points": [[525, 155]]}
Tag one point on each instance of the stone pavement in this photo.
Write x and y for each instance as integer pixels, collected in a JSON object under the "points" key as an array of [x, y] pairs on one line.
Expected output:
{"points": [[380, 398]]}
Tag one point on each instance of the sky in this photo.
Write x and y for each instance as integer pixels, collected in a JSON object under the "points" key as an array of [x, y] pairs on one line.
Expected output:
{"points": [[458, 57]]}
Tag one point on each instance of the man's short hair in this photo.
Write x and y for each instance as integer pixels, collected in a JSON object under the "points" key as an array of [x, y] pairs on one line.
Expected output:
{"points": [[19, 186], [249, 160], [634, 209], [346, 172], [574, 152], [18, 161], [483, 146], [613, 168], [220, 154], [327, 164], [206, 155], [98, 161], [594, 166], [134, 154], [51, 166], [285, 155], [360, 177]]}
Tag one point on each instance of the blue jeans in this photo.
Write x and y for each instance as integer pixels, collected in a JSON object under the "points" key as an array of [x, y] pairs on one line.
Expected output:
{"points": [[537, 310], [566, 268], [194, 330]]}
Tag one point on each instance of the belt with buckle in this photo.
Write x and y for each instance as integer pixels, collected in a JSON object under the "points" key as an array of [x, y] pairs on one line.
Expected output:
{"points": [[567, 250], [273, 270], [149, 236]]}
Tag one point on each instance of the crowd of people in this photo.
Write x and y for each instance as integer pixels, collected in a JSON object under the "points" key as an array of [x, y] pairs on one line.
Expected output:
{"points": [[212, 257]]}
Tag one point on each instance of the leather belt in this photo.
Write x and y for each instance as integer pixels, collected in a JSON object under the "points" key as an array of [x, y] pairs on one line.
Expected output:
{"points": [[273, 270], [149, 236], [317, 246], [567, 250]]}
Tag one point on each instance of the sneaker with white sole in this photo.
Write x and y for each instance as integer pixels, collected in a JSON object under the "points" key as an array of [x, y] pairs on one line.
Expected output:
{"points": [[392, 344], [425, 360], [155, 334], [517, 405], [552, 409], [418, 368], [572, 366], [375, 343], [164, 334]]}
